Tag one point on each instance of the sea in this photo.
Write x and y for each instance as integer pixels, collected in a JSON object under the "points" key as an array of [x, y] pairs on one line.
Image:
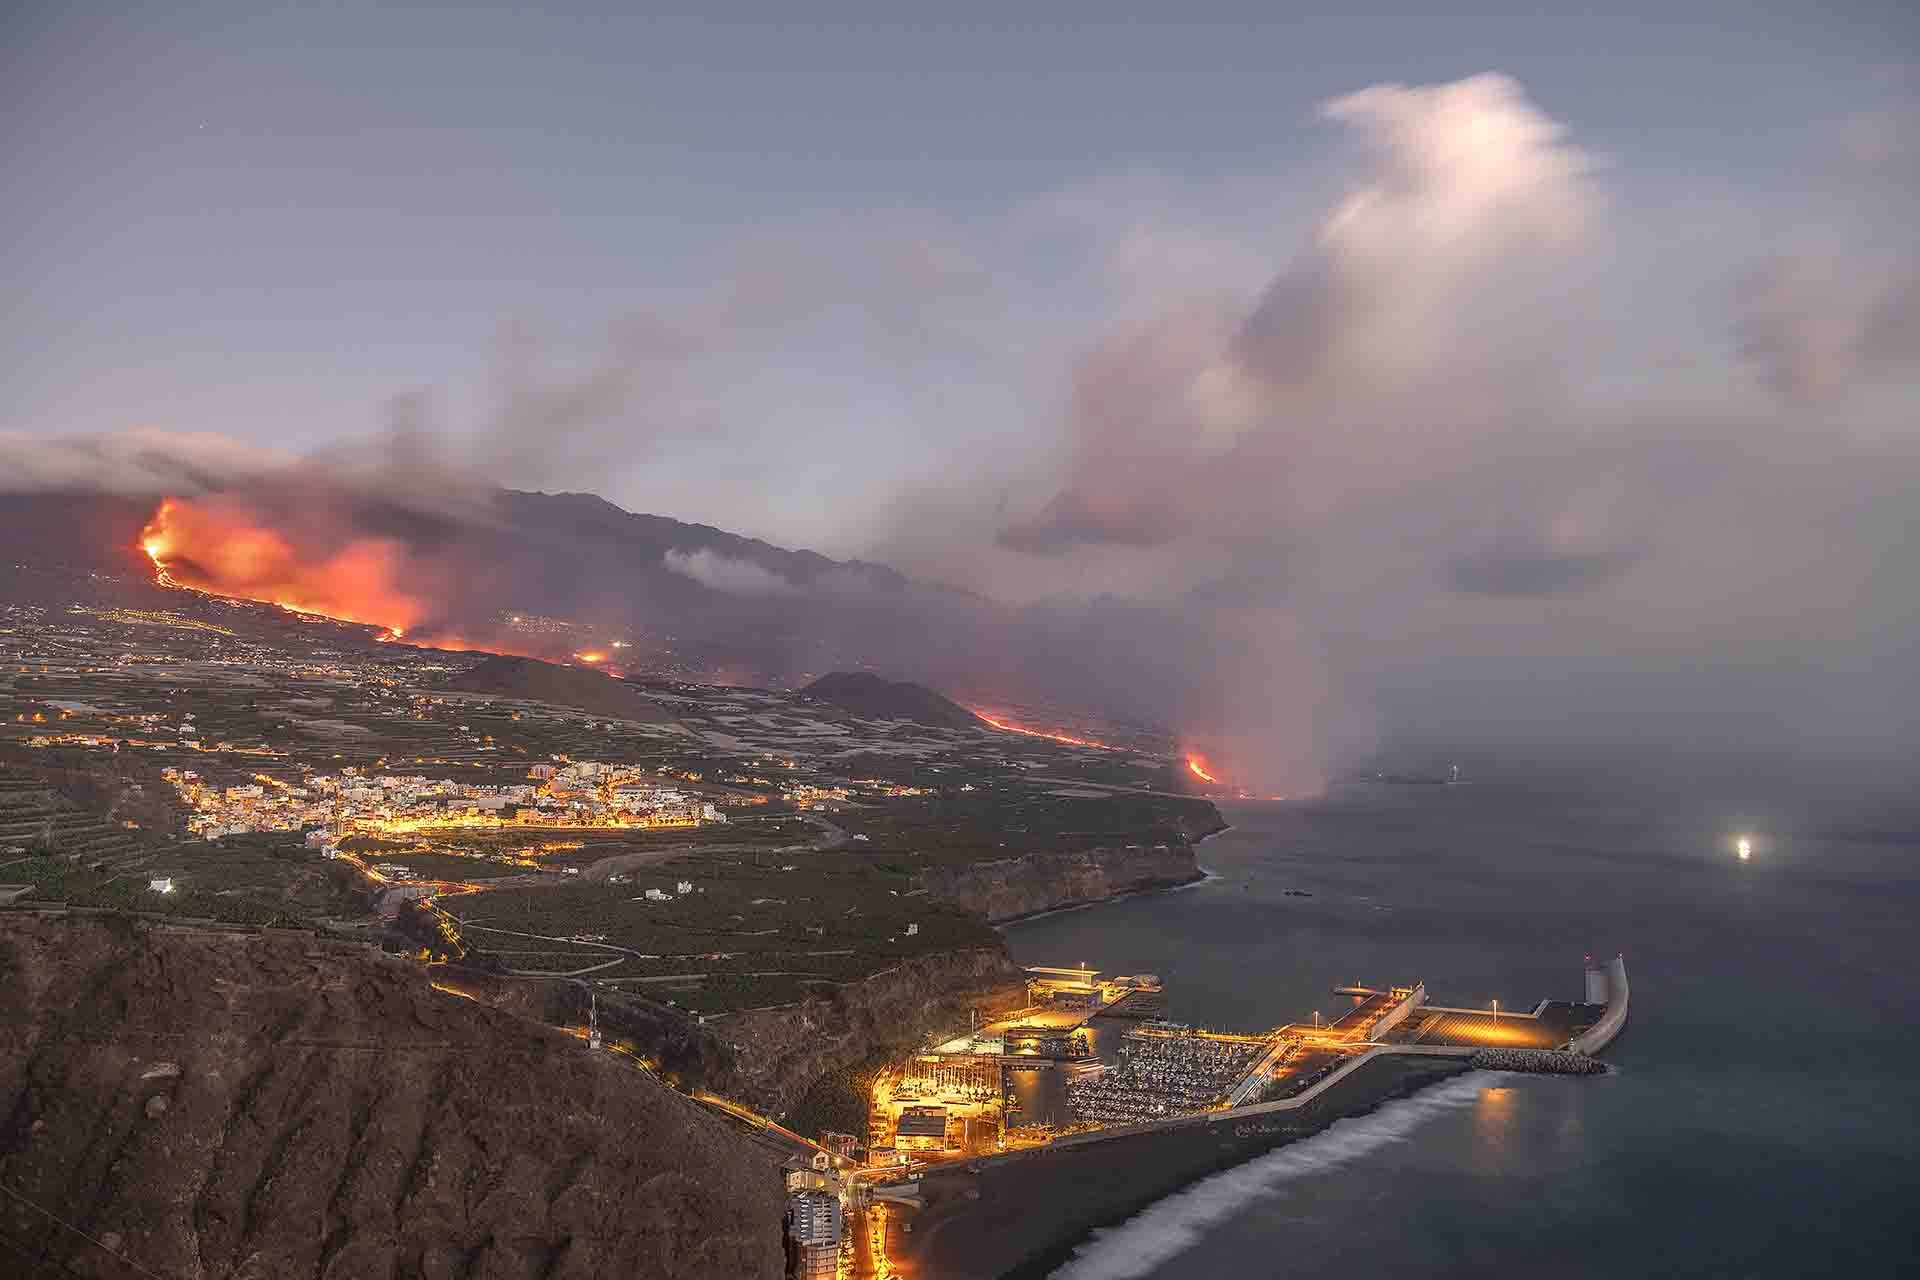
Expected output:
{"points": [[1763, 1114]]}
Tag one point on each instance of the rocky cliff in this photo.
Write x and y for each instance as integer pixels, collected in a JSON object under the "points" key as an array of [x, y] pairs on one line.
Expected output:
{"points": [[783, 1052], [789, 1053], [219, 1104], [1011, 887]]}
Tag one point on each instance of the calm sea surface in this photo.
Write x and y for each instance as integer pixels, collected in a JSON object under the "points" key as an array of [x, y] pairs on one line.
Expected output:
{"points": [[1765, 1115]]}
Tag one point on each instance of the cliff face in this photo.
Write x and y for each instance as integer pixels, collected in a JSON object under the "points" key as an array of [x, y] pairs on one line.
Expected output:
{"points": [[222, 1105], [783, 1051], [1034, 882]]}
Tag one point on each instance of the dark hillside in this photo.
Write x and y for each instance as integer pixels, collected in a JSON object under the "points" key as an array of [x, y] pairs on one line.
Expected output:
{"points": [[531, 680], [873, 698], [196, 1103]]}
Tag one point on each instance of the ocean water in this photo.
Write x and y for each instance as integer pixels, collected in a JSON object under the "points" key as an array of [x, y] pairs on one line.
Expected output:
{"points": [[1764, 1116]]}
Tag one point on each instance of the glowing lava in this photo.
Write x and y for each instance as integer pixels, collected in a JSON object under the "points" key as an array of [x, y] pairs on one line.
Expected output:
{"points": [[222, 549], [591, 657], [1010, 727], [1198, 768]]}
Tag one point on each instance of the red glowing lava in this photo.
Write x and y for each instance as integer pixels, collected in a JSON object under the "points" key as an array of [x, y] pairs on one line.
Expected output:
{"points": [[222, 549], [1010, 727], [1198, 768], [225, 547]]}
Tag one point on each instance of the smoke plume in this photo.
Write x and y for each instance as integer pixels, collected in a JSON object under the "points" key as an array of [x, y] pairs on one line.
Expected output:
{"points": [[1467, 442]]}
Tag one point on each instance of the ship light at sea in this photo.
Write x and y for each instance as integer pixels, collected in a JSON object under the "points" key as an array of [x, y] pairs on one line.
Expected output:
{"points": [[1743, 846]]}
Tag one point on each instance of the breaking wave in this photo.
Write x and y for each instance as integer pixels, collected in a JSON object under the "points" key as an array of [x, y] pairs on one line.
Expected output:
{"points": [[1169, 1227]]}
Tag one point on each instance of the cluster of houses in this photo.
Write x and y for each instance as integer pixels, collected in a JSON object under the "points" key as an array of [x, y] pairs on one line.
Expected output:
{"points": [[576, 794]]}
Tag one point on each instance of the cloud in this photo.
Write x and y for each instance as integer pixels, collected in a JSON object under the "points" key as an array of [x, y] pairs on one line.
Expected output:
{"points": [[1127, 519], [1389, 339], [1537, 571], [1391, 462], [1440, 444], [1816, 329], [727, 574], [136, 463], [1467, 180]]}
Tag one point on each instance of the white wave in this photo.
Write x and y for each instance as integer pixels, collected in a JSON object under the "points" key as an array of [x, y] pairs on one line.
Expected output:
{"points": [[1169, 1227]]}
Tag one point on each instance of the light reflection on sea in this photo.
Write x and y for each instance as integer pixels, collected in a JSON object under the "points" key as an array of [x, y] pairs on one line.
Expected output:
{"points": [[1761, 1120]]}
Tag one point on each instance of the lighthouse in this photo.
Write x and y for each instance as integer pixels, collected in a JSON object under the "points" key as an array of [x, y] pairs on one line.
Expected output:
{"points": [[1596, 983]]}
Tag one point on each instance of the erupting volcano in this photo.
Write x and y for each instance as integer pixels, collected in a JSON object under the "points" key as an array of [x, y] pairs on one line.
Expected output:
{"points": [[318, 564], [221, 548]]}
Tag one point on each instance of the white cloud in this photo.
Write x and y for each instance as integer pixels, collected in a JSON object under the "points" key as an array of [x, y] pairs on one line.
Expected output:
{"points": [[728, 574]]}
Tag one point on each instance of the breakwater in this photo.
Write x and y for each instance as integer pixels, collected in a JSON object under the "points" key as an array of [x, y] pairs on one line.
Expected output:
{"points": [[1543, 1062], [1601, 1033]]}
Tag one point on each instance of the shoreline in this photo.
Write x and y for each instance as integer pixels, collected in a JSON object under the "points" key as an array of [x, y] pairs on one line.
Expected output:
{"points": [[1023, 1218], [1201, 876], [1217, 831]]}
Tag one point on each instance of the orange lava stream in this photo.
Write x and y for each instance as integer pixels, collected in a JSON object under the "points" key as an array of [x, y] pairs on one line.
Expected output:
{"points": [[1198, 768], [220, 549], [1010, 727]]}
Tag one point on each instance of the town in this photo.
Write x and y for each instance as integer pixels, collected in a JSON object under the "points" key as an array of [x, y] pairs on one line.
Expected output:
{"points": [[583, 793]]}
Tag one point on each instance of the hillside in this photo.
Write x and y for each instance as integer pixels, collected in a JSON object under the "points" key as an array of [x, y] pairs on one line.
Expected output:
{"points": [[719, 602], [334, 1116], [583, 689], [873, 698]]}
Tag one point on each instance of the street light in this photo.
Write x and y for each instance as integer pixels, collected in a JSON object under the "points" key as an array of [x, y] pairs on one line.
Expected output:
{"points": [[1496, 1011]]}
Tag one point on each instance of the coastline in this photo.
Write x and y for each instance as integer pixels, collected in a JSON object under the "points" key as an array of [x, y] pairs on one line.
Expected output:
{"points": [[1201, 876], [1023, 1217], [1119, 1204]]}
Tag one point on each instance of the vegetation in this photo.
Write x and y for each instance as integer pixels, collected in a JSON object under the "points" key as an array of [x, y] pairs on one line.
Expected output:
{"points": [[837, 1101]]}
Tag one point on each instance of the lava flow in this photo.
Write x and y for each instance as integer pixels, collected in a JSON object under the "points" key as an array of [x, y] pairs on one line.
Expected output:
{"points": [[222, 549], [1198, 768], [1010, 727]]}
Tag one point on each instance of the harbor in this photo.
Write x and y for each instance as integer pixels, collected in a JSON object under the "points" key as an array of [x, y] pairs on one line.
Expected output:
{"points": [[1102, 1107]]}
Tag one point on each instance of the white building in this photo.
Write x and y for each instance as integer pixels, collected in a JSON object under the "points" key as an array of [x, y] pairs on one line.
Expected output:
{"points": [[816, 1218]]}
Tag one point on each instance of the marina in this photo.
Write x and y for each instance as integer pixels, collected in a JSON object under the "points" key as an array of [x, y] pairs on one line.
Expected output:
{"points": [[1077, 1075]]}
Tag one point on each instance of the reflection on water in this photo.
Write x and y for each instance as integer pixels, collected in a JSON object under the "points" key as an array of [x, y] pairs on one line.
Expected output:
{"points": [[1041, 1096], [1773, 1029], [1492, 1119]]}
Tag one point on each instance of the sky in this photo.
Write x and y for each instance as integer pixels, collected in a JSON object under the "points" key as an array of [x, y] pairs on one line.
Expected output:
{"points": [[1472, 373]]}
